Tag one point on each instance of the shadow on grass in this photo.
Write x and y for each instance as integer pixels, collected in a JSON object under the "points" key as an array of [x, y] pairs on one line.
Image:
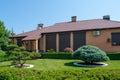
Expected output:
{"points": [[70, 64]]}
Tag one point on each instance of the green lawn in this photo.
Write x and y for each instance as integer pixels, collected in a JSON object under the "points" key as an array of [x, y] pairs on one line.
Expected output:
{"points": [[60, 69], [62, 64]]}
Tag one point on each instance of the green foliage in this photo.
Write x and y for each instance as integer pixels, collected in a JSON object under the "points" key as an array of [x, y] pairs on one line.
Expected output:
{"points": [[56, 55], [30, 74], [11, 47], [51, 51], [2, 55], [4, 35], [90, 54], [34, 55], [114, 55], [20, 57], [3, 47], [18, 54], [11, 33]]}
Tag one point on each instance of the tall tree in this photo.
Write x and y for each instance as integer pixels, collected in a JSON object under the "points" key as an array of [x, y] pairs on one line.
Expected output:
{"points": [[4, 35], [11, 33]]}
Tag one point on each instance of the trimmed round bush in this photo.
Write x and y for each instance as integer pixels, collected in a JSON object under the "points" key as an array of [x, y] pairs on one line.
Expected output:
{"points": [[90, 54]]}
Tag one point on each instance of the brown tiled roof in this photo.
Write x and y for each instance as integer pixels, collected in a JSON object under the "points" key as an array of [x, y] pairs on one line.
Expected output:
{"points": [[83, 25], [31, 35], [71, 26]]}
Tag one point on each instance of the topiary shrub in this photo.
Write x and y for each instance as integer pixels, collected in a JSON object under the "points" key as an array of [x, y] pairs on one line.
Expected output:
{"points": [[20, 58], [90, 54]]}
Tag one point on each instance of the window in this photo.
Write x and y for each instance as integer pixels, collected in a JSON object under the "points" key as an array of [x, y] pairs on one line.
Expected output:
{"points": [[116, 39], [96, 33], [19, 41]]}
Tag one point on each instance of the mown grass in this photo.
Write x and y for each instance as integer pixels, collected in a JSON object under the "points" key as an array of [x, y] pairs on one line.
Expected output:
{"points": [[58, 64], [64, 61], [62, 64]]}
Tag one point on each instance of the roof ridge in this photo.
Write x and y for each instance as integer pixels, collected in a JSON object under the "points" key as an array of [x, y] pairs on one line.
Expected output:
{"points": [[77, 21], [114, 21], [85, 20]]}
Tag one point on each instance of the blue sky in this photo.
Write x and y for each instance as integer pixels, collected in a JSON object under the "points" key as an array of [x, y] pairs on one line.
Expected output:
{"points": [[24, 15]]}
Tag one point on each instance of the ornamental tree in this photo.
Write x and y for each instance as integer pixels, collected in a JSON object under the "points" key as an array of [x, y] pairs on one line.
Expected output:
{"points": [[19, 56], [90, 54]]}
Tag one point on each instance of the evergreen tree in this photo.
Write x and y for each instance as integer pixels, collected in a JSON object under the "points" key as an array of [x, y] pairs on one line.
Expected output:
{"points": [[11, 33], [4, 35]]}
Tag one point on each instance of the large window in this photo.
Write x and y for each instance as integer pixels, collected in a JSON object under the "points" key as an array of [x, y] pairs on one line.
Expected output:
{"points": [[51, 41], [116, 39], [79, 39], [64, 40]]}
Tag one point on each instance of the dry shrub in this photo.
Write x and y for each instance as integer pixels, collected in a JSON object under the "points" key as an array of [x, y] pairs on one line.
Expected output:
{"points": [[67, 49]]}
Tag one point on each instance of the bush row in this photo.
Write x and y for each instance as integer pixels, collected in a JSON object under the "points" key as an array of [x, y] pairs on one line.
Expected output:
{"points": [[29, 74], [56, 56], [112, 56]]}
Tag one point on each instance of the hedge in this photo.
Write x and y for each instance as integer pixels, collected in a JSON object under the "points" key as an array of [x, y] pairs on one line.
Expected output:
{"points": [[83, 74], [56, 56], [112, 56]]}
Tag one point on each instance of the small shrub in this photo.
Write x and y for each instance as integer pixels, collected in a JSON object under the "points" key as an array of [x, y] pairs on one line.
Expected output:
{"points": [[20, 57], [34, 55], [51, 51], [68, 50], [90, 54]]}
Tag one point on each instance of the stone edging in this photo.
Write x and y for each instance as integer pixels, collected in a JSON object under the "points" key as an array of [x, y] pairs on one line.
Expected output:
{"points": [[30, 66], [85, 65]]}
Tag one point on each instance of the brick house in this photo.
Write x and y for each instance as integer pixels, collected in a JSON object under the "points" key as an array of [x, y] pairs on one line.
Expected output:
{"points": [[103, 33]]}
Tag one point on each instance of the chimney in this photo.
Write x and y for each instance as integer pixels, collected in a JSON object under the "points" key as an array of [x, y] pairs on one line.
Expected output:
{"points": [[73, 19], [106, 17], [40, 26]]}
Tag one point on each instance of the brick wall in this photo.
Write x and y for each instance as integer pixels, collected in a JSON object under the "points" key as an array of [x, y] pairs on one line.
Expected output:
{"points": [[103, 41]]}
